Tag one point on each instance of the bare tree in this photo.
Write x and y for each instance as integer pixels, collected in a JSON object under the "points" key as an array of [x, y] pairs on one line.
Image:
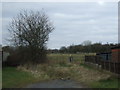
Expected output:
{"points": [[31, 30], [87, 43]]}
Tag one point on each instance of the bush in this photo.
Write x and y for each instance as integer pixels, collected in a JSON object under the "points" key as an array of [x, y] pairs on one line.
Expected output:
{"points": [[23, 55]]}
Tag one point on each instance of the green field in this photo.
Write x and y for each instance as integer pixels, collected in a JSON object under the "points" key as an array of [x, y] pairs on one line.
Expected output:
{"points": [[58, 67], [64, 58]]}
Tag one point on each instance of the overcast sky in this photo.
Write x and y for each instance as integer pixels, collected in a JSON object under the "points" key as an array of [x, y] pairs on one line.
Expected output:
{"points": [[74, 22]]}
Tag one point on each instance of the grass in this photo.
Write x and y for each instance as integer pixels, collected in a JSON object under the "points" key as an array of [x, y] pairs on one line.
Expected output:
{"points": [[58, 67], [86, 66], [108, 83], [0, 78], [13, 78], [64, 58], [111, 82]]}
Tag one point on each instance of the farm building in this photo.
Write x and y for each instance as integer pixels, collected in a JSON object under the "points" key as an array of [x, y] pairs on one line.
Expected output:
{"points": [[105, 56], [3, 56], [116, 54], [113, 56], [108, 61]]}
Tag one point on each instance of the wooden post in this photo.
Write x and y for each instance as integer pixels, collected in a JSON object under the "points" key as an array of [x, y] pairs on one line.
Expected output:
{"points": [[2, 59], [101, 64], [114, 68], [109, 66], [104, 65], [2, 56]]}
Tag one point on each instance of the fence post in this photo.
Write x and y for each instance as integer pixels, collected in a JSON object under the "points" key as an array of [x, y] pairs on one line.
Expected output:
{"points": [[2, 56], [114, 68], [118, 68], [109, 66], [104, 65], [100, 64], [85, 58]]}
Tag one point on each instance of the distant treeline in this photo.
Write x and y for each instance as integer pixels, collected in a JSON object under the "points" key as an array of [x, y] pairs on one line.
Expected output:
{"points": [[92, 48]]}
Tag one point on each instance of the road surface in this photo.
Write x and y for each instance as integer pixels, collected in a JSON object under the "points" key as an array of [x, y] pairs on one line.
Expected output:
{"points": [[56, 84]]}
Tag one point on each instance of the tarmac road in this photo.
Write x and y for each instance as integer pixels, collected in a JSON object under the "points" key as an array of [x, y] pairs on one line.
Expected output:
{"points": [[56, 84]]}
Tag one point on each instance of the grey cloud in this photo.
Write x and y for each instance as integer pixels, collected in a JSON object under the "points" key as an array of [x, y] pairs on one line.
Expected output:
{"points": [[74, 22]]}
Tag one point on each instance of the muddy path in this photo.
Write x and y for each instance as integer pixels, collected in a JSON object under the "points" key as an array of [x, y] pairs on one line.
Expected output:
{"points": [[57, 84]]}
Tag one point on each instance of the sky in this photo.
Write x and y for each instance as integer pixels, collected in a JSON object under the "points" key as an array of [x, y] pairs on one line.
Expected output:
{"points": [[74, 22]]}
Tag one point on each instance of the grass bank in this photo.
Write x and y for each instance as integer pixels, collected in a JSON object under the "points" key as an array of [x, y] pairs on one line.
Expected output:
{"points": [[111, 82], [87, 76], [14, 78], [0, 78]]}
